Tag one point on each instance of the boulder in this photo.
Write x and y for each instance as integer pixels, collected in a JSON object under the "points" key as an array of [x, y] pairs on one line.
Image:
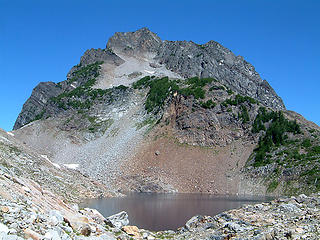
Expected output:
{"points": [[117, 220], [132, 231], [200, 223], [32, 234]]}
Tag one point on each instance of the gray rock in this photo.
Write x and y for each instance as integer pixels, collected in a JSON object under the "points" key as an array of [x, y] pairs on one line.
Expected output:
{"points": [[289, 207], [118, 220], [105, 55], [140, 41], [234, 227], [55, 217], [52, 235], [200, 223]]}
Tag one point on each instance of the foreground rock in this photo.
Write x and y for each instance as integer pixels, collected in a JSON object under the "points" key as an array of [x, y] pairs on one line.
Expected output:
{"points": [[290, 218]]}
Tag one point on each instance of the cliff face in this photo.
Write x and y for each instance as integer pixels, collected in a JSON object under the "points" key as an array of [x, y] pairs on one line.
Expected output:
{"points": [[33, 107]]}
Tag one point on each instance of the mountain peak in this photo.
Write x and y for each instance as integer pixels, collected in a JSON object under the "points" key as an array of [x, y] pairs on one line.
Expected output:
{"points": [[142, 40]]}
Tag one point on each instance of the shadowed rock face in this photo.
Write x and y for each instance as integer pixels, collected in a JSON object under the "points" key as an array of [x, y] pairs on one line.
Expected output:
{"points": [[187, 59], [38, 99]]}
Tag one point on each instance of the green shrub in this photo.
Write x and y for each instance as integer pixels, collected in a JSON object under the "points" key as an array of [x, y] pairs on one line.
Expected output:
{"points": [[199, 82], [272, 186], [158, 93], [244, 114], [197, 92], [306, 143], [239, 100], [230, 92], [208, 104], [315, 150], [143, 82], [274, 136]]}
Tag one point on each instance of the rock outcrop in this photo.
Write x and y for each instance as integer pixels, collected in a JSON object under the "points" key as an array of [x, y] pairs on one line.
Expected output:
{"points": [[33, 107], [140, 42]]}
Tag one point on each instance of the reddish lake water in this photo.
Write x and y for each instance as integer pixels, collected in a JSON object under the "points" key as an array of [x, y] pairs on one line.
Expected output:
{"points": [[168, 211]]}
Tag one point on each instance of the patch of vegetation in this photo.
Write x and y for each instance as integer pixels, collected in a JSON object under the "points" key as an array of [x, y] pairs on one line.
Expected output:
{"points": [[306, 143], [197, 92], [239, 99], [230, 92], [195, 87], [143, 82], [159, 91], [83, 97], [40, 115], [148, 121], [114, 132], [272, 186], [208, 104], [164, 236], [161, 88], [312, 177], [275, 135], [99, 126], [199, 82], [244, 115], [65, 99]]}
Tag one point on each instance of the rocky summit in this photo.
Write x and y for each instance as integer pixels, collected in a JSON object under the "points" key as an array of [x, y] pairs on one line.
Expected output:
{"points": [[150, 115]]}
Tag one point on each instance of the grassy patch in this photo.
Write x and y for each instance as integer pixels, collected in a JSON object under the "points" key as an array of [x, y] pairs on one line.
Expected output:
{"points": [[272, 186]]}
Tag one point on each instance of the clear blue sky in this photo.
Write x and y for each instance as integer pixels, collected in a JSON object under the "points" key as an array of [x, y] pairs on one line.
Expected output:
{"points": [[41, 40]]}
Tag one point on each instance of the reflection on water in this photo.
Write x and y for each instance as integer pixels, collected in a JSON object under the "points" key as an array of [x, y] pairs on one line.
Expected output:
{"points": [[167, 211]]}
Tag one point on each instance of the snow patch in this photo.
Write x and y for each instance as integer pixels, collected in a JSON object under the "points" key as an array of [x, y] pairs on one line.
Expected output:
{"points": [[54, 164], [73, 86], [10, 133], [150, 72], [71, 166]]}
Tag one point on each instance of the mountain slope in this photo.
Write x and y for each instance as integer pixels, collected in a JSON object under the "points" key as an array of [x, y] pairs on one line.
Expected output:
{"points": [[152, 115]]}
